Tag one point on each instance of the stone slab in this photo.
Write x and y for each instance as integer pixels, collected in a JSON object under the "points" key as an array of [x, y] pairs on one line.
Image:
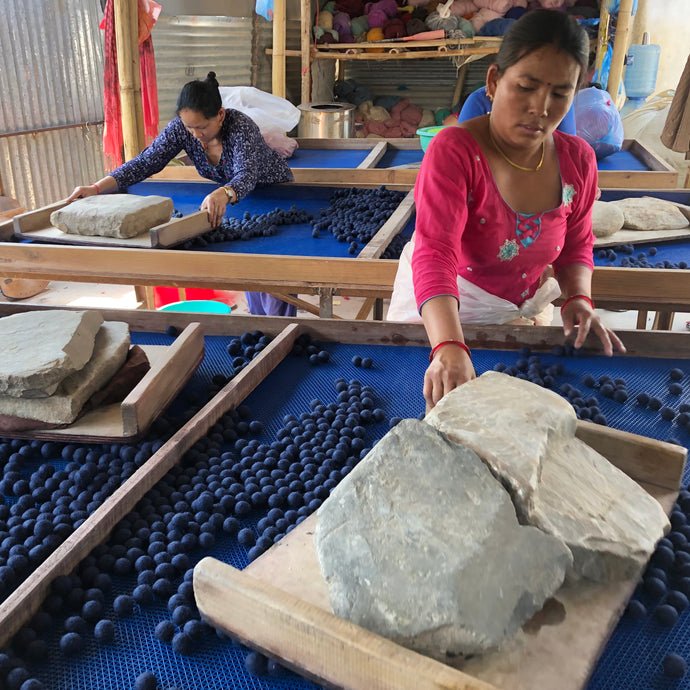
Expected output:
{"points": [[607, 219], [41, 348], [421, 544], [508, 422], [650, 213], [608, 521], [526, 435], [113, 215], [63, 407]]}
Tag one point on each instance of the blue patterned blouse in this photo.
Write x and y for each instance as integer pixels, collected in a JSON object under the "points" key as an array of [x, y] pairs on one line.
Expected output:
{"points": [[247, 160]]}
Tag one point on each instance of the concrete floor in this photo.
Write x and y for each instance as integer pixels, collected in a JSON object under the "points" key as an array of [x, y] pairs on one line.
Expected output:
{"points": [[96, 295]]}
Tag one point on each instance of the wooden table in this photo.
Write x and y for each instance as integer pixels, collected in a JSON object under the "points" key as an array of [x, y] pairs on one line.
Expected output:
{"points": [[392, 337]]}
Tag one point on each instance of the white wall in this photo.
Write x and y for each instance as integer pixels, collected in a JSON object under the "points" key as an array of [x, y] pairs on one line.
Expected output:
{"points": [[668, 24]]}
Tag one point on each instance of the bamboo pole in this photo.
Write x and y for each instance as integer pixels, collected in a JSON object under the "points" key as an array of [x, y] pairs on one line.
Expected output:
{"points": [[127, 41], [279, 28], [620, 48], [305, 48], [602, 35]]}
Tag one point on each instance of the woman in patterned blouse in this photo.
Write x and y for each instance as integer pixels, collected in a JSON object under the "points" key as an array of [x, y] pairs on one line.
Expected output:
{"points": [[503, 197], [224, 145]]}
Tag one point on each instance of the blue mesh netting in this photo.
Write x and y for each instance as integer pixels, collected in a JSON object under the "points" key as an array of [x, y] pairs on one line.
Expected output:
{"points": [[632, 657]]}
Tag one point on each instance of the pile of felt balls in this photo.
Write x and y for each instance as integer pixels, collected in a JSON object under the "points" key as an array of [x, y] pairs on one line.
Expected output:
{"points": [[351, 21]]}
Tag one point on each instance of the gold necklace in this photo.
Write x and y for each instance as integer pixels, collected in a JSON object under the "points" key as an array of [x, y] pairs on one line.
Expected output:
{"points": [[515, 165]]}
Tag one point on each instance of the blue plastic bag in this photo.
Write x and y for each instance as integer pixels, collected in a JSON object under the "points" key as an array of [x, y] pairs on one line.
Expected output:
{"points": [[265, 9], [598, 121]]}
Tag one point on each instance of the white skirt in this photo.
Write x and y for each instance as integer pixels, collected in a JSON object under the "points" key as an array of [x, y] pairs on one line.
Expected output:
{"points": [[477, 306]]}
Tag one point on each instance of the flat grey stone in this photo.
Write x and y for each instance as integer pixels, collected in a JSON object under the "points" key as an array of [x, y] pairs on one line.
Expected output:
{"points": [[420, 544], [526, 435], [113, 215], [650, 213], [609, 522], [607, 219], [509, 423], [41, 348], [63, 407]]}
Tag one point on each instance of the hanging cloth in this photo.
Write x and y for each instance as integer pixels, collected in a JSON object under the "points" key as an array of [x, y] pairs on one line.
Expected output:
{"points": [[148, 12], [676, 132]]}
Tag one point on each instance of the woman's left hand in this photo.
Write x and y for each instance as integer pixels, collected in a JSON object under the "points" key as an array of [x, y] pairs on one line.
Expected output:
{"points": [[578, 311], [215, 203]]}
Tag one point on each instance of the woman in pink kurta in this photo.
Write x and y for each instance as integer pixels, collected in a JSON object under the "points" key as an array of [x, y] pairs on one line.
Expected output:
{"points": [[501, 199]]}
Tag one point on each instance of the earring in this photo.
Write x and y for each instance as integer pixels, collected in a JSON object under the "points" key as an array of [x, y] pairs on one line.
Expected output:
{"points": [[490, 97]]}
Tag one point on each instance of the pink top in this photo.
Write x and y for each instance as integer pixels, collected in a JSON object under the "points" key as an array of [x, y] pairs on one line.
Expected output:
{"points": [[464, 227]]}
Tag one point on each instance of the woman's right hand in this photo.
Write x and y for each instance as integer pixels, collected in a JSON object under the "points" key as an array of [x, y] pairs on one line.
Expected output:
{"points": [[450, 368], [82, 192]]}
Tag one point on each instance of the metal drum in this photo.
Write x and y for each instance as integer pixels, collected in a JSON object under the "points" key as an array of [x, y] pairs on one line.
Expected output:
{"points": [[326, 120]]}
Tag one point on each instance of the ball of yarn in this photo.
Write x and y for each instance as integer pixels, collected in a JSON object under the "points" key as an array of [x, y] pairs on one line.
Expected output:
{"points": [[515, 12], [326, 20], [359, 25], [375, 34], [415, 26], [394, 28], [442, 18], [341, 23]]}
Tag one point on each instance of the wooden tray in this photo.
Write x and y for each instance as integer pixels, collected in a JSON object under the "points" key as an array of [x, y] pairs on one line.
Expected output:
{"points": [[171, 367], [35, 225], [279, 605]]}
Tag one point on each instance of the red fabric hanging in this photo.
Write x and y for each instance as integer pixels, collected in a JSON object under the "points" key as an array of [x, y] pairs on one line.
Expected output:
{"points": [[112, 131]]}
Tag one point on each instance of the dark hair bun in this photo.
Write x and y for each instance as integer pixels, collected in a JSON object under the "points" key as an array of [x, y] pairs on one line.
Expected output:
{"points": [[211, 76]]}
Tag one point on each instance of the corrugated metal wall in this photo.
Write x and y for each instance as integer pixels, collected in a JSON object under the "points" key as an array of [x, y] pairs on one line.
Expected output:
{"points": [[428, 83], [188, 48], [51, 81]]}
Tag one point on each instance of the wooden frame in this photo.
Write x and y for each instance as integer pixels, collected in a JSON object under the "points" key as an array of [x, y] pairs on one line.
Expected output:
{"points": [[660, 175], [171, 367], [612, 288], [35, 225], [21, 605]]}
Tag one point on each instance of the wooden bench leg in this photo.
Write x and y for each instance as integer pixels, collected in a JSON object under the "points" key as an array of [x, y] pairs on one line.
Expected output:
{"points": [[663, 321], [641, 324]]}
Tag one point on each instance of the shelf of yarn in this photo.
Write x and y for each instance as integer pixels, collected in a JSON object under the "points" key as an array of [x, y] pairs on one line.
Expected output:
{"points": [[399, 49]]}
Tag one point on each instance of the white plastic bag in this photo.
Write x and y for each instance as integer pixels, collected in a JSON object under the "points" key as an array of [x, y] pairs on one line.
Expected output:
{"points": [[477, 306], [271, 113]]}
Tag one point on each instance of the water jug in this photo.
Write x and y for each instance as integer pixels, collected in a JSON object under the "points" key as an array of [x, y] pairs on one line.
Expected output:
{"points": [[641, 65]]}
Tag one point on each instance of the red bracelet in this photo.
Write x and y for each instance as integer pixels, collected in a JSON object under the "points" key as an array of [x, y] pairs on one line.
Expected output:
{"points": [[459, 343], [98, 191], [570, 299]]}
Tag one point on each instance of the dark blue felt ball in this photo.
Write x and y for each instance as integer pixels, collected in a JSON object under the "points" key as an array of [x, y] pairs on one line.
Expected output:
{"points": [[165, 631], [674, 666], [32, 684], [655, 587], [677, 599], [666, 615], [256, 664], [667, 413], [642, 399], [71, 643], [104, 631], [172, 331], [676, 374], [124, 605], [182, 644], [675, 389], [146, 681]]}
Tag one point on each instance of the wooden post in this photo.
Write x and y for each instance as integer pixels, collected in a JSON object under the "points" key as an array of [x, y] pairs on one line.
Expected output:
{"points": [[602, 35], [305, 48], [279, 21], [620, 48], [127, 40]]}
